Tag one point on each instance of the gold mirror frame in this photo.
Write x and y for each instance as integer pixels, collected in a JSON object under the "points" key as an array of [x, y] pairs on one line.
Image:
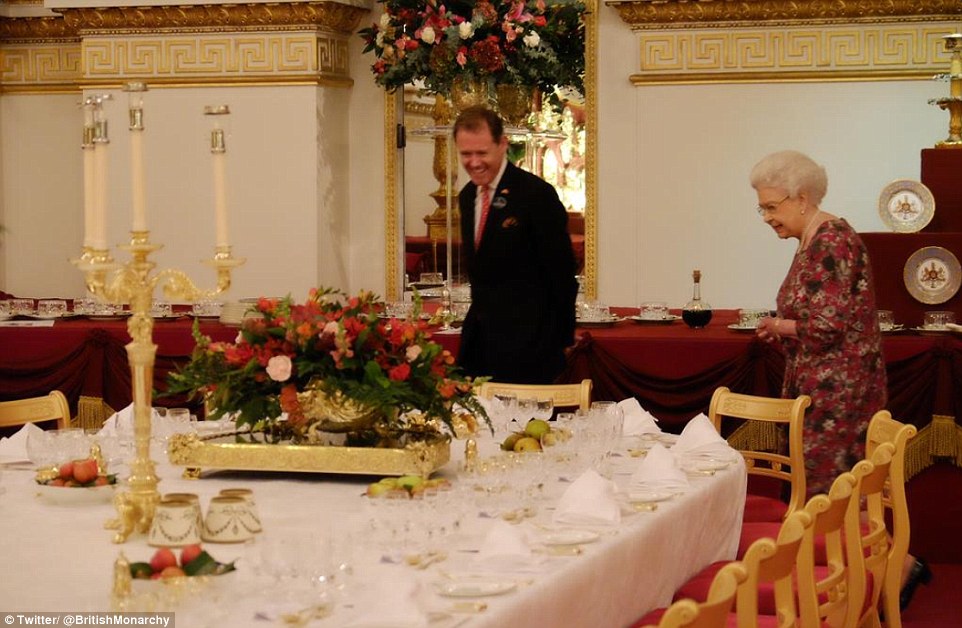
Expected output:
{"points": [[393, 231]]}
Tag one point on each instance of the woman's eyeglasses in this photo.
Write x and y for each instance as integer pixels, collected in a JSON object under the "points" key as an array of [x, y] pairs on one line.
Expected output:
{"points": [[764, 210]]}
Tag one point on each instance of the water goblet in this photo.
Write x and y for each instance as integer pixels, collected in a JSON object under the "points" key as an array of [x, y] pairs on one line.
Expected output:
{"points": [[544, 409], [51, 308], [505, 406], [21, 307]]}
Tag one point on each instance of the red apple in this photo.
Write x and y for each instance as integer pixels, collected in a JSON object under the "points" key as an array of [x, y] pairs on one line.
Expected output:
{"points": [[172, 572], [66, 471], [162, 559], [101, 480], [189, 553], [85, 470], [57, 482]]}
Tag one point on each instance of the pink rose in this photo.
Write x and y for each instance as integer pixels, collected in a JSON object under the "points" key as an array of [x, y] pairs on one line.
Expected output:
{"points": [[279, 368], [412, 353]]}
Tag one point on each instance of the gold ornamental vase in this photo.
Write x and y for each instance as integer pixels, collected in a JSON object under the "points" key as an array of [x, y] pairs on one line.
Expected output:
{"points": [[469, 93], [514, 102], [336, 412]]}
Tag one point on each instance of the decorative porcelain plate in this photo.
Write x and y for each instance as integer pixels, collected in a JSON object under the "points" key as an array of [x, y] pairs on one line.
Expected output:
{"points": [[906, 206], [932, 275]]}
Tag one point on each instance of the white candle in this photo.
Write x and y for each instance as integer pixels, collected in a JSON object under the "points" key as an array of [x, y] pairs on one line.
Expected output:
{"points": [[220, 197], [89, 193], [98, 237], [137, 180]]}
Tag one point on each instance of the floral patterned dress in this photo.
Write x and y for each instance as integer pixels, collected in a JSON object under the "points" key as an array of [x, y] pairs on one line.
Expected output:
{"points": [[837, 357]]}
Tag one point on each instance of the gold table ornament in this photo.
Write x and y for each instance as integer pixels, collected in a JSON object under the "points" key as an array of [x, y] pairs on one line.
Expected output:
{"points": [[198, 453], [135, 282], [953, 103]]}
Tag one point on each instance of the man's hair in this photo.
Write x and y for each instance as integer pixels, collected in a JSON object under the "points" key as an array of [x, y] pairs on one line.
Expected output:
{"points": [[476, 118]]}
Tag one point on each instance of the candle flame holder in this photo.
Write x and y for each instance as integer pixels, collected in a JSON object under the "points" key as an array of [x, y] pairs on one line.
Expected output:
{"points": [[135, 282], [952, 103]]}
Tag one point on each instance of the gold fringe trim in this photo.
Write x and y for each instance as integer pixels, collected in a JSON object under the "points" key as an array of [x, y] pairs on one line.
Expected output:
{"points": [[756, 436], [941, 439], [91, 413]]}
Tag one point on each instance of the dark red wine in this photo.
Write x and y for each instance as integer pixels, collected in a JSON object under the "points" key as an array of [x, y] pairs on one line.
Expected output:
{"points": [[696, 318]]}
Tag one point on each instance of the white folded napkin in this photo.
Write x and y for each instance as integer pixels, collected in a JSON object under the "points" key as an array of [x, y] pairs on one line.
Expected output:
{"points": [[638, 421], [391, 604], [14, 447], [658, 471], [504, 543], [701, 438], [590, 500]]}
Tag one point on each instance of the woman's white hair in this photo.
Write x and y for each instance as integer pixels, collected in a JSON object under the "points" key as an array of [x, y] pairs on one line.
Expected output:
{"points": [[793, 172]]}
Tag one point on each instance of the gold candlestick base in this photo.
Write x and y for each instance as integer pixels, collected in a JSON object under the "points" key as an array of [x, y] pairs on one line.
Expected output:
{"points": [[134, 283]]}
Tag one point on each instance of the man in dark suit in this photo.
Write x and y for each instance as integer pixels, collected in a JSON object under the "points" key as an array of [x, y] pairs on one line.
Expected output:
{"points": [[519, 258]]}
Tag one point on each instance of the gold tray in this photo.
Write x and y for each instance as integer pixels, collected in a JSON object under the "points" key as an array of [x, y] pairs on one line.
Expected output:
{"points": [[199, 453]]}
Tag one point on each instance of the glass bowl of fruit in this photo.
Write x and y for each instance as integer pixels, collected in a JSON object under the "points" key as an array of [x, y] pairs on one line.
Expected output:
{"points": [[82, 481]]}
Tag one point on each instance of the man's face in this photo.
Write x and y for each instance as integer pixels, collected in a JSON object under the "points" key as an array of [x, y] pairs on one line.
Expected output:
{"points": [[480, 155]]}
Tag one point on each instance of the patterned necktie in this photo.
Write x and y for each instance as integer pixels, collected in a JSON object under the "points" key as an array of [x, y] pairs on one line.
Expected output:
{"points": [[485, 208]]}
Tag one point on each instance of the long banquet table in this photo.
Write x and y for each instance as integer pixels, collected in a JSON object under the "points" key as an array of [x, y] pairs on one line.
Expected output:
{"points": [[58, 558], [671, 369]]}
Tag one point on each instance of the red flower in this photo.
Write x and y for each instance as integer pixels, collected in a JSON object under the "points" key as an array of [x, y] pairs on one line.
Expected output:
{"points": [[400, 372]]}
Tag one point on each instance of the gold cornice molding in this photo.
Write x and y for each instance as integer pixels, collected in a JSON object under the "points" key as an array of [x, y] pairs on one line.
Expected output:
{"points": [[660, 14], [334, 16], [47, 28], [856, 52]]}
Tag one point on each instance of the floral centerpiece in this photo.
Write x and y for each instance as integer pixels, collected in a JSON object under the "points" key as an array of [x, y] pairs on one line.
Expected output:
{"points": [[534, 43], [331, 354]]}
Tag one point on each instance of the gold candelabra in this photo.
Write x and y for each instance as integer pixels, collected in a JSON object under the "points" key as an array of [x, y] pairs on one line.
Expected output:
{"points": [[135, 282], [953, 44]]}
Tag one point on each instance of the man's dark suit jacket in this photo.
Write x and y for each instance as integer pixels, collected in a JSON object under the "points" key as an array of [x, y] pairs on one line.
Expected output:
{"points": [[523, 285]]}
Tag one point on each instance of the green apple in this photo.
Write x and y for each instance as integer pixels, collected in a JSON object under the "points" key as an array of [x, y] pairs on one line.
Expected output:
{"points": [[508, 443], [378, 489], [536, 428], [527, 443], [410, 482], [550, 439]]}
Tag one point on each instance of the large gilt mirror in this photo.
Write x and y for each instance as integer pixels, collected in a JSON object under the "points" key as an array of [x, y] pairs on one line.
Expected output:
{"points": [[423, 177]]}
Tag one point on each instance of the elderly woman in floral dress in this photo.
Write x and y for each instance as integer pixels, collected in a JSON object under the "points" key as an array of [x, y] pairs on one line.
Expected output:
{"points": [[827, 325], [826, 320]]}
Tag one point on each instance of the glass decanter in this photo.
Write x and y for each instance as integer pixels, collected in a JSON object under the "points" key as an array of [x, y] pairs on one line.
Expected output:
{"points": [[696, 312]]}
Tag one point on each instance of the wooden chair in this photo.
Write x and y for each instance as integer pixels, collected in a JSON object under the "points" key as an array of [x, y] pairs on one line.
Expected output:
{"points": [[757, 439], [831, 592], [52, 407], [773, 562], [714, 612], [562, 395], [884, 429]]}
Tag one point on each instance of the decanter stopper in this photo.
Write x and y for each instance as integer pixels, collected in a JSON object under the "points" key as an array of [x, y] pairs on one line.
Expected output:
{"points": [[122, 580], [470, 455]]}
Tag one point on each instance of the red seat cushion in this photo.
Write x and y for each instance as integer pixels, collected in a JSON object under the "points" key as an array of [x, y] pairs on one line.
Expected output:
{"points": [[764, 508], [652, 619]]}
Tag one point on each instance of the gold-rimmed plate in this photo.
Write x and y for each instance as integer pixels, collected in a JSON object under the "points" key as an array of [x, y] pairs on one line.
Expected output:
{"points": [[906, 206], [932, 275]]}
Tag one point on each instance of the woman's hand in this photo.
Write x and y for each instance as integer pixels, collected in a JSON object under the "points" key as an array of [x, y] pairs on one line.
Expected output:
{"points": [[769, 329]]}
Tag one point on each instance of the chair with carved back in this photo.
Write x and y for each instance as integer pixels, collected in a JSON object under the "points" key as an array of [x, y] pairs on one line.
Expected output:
{"points": [[52, 408], [884, 429], [759, 422], [562, 395], [714, 612]]}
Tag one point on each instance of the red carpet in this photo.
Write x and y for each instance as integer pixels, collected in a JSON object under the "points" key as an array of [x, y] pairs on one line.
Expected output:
{"points": [[937, 605]]}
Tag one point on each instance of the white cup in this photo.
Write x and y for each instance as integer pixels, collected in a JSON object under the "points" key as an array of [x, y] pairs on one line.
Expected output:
{"points": [[252, 520], [174, 524], [225, 520]]}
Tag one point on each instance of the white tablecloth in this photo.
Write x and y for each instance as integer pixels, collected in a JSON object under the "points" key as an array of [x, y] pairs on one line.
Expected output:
{"points": [[60, 558]]}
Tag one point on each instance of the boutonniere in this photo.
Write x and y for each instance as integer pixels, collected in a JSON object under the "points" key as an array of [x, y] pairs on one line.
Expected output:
{"points": [[499, 202], [509, 222]]}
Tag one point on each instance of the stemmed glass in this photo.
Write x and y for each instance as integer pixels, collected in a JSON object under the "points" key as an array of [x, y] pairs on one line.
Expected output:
{"points": [[544, 409], [505, 409]]}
